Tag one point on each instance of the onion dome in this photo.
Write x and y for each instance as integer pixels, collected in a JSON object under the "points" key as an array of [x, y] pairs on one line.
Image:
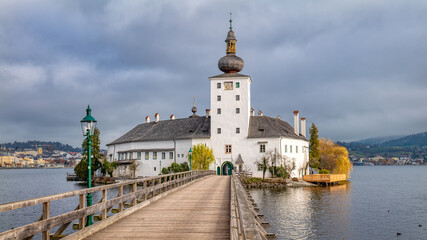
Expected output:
{"points": [[194, 109], [231, 63]]}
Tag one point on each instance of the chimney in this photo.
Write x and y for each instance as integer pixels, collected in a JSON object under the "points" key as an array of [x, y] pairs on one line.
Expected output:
{"points": [[147, 119], [278, 117], [303, 131], [208, 113], [296, 122], [157, 116], [172, 117], [259, 113], [252, 112]]}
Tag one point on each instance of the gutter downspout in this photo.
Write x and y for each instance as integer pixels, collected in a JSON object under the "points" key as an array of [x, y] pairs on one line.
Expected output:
{"points": [[174, 150]]}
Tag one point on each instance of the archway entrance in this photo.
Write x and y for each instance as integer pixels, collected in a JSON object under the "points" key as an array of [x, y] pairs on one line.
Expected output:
{"points": [[227, 168]]}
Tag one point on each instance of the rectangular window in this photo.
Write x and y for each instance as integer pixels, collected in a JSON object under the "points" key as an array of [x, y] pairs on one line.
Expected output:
{"points": [[147, 155], [228, 149], [260, 167], [218, 130], [262, 148], [296, 149], [237, 84], [237, 110], [218, 110], [237, 97], [237, 130], [155, 169], [170, 155], [154, 155], [138, 155], [163, 155], [218, 85], [290, 148], [218, 98]]}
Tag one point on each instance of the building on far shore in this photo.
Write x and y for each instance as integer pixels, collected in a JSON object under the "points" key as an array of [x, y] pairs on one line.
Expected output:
{"points": [[239, 139]]}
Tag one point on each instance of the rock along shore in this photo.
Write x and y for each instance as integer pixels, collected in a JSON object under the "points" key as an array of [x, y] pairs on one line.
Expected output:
{"points": [[274, 183]]}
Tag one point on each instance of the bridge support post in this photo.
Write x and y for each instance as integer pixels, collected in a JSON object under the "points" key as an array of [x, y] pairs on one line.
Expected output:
{"points": [[81, 206], [46, 215], [104, 199]]}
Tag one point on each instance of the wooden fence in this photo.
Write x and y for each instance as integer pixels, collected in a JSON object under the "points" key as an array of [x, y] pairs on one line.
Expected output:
{"points": [[245, 222], [141, 190]]}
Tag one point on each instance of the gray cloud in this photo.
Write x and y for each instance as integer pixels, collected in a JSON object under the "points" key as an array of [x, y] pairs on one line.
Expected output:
{"points": [[355, 68]]}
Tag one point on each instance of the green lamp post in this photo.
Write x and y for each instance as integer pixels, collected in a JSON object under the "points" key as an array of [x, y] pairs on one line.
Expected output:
{"points": [[191, 153], [88, 128]]}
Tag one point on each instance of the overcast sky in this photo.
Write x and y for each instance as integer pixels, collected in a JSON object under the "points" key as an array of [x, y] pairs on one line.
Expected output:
{"points": [[357, 69]]}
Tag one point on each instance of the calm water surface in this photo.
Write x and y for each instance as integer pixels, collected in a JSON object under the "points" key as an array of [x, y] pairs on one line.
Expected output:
{"points": [[378, 202], [23, 184]]}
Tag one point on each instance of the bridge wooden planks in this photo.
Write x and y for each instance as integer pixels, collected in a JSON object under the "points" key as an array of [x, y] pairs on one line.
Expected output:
{"points": [[199, 211]]}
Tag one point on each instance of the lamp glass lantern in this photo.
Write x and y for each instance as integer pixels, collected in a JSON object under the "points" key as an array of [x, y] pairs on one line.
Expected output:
{"points": [[88, 123]]}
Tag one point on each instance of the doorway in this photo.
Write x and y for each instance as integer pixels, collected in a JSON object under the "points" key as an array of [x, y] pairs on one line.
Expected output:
{"points": [[227, 168]]}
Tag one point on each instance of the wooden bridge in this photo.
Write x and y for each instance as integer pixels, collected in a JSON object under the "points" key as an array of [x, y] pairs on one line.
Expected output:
{"points": [[188, 205]]}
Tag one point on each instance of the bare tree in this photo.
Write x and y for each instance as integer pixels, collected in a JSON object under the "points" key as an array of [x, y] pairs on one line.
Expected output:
{"points": [[264, 163]]}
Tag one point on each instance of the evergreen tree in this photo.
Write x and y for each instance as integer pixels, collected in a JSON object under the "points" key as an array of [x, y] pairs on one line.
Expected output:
{"points": [[81, 169], [314, 147]]}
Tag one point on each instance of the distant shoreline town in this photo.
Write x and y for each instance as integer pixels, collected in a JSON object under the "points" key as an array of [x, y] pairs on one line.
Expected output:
{"points": [[30, 158], [36, 154]]}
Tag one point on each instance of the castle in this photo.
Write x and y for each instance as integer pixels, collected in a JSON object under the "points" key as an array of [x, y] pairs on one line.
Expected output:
{"points": [[239, 139]]}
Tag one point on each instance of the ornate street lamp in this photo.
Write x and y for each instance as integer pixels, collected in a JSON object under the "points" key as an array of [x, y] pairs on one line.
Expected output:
{"points": [[88, 128], [191, 153]]}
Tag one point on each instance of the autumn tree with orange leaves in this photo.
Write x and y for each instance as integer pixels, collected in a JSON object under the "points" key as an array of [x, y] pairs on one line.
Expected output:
{"points": [[334, 157]]}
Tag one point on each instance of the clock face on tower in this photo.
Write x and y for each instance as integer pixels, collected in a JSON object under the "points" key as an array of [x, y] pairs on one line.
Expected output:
{"points": [[228, 85]]}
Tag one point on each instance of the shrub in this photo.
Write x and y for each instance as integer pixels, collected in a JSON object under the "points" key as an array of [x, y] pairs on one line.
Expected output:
{"points": [[324, 171]]}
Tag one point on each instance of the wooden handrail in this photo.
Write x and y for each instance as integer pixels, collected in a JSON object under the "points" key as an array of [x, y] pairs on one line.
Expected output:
{"points": [[246, 225], [46, 223], [35, 201]]}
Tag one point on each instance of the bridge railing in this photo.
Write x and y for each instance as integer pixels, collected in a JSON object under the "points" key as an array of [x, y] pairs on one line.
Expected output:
{"points": [[245, 222], [141, 190]]}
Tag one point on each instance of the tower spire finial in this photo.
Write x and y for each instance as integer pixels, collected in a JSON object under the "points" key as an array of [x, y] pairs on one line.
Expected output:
{"points": [[231, 27]]}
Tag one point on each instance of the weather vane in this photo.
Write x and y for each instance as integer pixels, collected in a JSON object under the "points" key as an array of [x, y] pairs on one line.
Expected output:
{"points": [[230, 22]]}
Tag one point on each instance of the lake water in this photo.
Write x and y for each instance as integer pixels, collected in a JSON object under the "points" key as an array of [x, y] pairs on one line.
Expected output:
{"points": [[23, 184], [378, 202]]}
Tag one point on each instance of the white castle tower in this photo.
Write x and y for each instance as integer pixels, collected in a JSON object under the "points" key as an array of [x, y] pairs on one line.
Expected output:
{"points": [[230, 105]]}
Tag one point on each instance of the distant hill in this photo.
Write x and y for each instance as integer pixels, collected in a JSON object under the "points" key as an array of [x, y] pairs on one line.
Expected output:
{"points": [[378, 140], [47, 146], [419, 139]]}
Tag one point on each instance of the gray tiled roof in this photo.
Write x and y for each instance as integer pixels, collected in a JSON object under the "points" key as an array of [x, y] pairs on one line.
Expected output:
{"points": [[239, 159], [199, 127], [267, 127], [184, 128], [229, 75]]}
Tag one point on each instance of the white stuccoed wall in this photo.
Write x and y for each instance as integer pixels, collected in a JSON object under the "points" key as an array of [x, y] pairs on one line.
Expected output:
{"points": [[229, 120]]}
